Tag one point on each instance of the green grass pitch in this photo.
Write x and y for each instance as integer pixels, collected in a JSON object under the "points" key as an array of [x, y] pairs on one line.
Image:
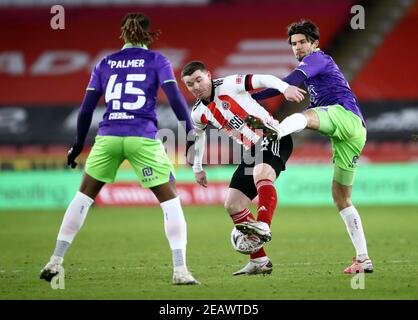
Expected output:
{"points": [[122, 253]]}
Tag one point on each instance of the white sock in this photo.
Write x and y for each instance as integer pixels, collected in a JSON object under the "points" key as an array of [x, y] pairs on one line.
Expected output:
{"points": [[74, 217], [293, 123], [355, 230], [175, 231]]}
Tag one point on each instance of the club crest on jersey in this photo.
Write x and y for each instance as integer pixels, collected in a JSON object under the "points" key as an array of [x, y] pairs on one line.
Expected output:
{"points": [[239, 79], [225, 105]]}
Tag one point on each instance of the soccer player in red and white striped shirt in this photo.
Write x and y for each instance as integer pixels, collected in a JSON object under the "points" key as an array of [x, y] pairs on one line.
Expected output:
{"points": [[225, 103]]}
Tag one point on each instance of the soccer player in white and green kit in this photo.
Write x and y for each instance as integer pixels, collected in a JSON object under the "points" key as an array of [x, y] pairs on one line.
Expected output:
{"points": [[129, 79], [334, 112]]}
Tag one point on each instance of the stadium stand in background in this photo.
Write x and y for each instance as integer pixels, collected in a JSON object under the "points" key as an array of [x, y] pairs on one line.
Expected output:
{"points": [[120, 251], [42, 78]]}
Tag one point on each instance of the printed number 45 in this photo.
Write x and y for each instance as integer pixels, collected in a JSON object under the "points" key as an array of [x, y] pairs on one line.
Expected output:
{"points": [[114, 92]]}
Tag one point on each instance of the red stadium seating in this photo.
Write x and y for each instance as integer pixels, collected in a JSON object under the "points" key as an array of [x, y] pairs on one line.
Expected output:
{"points": [[8, 151], [228, 37], [391, 74]]}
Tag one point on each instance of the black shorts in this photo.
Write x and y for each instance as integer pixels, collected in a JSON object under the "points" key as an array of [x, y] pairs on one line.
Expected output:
{"points": [[274, 153]]}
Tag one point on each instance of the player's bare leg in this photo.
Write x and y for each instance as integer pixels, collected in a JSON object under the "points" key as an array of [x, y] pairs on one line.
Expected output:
{"points": [[176, 231], [74, 218], [312, 119], [342, 199], [165, 192], [236, 204], [90, 186]]}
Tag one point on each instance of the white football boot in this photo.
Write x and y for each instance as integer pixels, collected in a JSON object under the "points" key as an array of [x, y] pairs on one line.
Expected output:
{"points": [[254, 267], [52, 268], [184, 277], [359, 266], [258, 228]]}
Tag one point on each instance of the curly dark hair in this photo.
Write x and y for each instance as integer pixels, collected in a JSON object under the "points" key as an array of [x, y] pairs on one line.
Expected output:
{"points": [[306, 27], [136, 28]]}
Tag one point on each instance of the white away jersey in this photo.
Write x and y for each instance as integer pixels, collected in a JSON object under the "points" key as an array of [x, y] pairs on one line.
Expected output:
{"points": [[230, 104]]}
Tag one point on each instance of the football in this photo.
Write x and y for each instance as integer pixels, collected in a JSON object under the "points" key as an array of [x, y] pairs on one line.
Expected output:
{"points": [[245, 244]]}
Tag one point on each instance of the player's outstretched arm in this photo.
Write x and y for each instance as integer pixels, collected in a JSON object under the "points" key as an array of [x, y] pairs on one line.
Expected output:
{"points": [[85, 115], [178, 103], [290, 92], [265, 94], [295, 78], [200, 145]]}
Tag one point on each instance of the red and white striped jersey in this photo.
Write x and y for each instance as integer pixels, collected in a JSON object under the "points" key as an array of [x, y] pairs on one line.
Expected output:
{"points": [[230, 104]]}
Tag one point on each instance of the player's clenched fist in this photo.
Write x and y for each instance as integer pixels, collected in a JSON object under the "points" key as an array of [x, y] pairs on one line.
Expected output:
{"points": [[73, 153], [294, 94], [201, 178]]}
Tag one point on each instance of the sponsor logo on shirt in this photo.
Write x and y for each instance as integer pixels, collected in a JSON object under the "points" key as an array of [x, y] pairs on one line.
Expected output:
{"points": [[312, 94], [236, 123], [120, 116]]}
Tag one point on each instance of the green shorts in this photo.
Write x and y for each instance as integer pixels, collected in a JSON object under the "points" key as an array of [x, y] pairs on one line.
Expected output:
{"points": [[348, 137], [147, 157]]}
